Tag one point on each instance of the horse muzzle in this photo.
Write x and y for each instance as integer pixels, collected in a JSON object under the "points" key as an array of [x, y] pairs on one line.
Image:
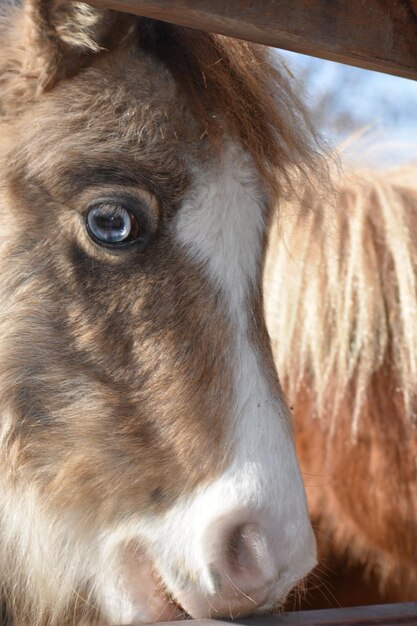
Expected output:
{"points": [[238, 566]]}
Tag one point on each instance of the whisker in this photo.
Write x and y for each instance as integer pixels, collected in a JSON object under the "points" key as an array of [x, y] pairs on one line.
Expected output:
{"points": [[239, 590]]}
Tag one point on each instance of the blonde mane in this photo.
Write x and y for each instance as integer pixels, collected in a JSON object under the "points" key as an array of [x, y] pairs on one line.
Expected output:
{"points": [[341, 289]]}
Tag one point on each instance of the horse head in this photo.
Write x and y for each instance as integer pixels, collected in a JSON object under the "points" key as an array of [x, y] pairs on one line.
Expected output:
{"points": [[147, 455]]}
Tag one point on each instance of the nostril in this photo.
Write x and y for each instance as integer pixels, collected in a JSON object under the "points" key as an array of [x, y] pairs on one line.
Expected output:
{"points": [[239, 557], [245, 550]]}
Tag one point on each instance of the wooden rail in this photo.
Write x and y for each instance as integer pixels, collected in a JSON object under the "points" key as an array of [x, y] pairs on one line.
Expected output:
{"points": [[380, 615], [374, 34]]}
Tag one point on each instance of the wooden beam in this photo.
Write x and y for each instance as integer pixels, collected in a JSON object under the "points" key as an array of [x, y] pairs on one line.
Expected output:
{"points": [[374, 34], [380, 615]]}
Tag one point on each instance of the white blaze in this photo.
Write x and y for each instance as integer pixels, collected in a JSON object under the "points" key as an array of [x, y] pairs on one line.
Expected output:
{"points": [[221, 226]]}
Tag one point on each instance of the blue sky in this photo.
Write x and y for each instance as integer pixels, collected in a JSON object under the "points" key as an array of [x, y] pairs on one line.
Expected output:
{"points": [[385, 105]]}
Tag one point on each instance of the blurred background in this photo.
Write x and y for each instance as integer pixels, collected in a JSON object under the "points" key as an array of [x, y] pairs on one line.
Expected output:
{"points": [[378, 110]]}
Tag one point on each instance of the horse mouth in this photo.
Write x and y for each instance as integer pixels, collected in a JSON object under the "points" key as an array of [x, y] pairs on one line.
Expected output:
{"points": [[171, 609], [177, 611], [151, 599]]}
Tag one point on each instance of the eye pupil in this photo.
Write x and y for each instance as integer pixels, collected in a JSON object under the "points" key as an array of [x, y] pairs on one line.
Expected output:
{"points": [[109, 224]]}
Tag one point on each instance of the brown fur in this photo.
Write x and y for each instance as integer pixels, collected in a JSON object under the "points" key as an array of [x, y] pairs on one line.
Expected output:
{"points": [[348, 363], [109, 361]]}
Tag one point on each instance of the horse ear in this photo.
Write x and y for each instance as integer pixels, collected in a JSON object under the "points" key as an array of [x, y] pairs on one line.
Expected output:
{"points": [[64, 34], [56, 40]]}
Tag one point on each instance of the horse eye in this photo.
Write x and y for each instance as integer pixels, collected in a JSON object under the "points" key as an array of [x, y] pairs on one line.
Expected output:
{"points": [[114, 225]]}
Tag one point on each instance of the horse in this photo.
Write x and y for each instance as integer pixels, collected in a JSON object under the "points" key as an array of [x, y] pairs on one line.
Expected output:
{"points": [[341, 305], [148, 470]]}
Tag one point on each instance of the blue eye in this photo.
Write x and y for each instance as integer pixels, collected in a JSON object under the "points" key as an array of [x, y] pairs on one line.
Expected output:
{"points": [[109, 224], [113, 225]]}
